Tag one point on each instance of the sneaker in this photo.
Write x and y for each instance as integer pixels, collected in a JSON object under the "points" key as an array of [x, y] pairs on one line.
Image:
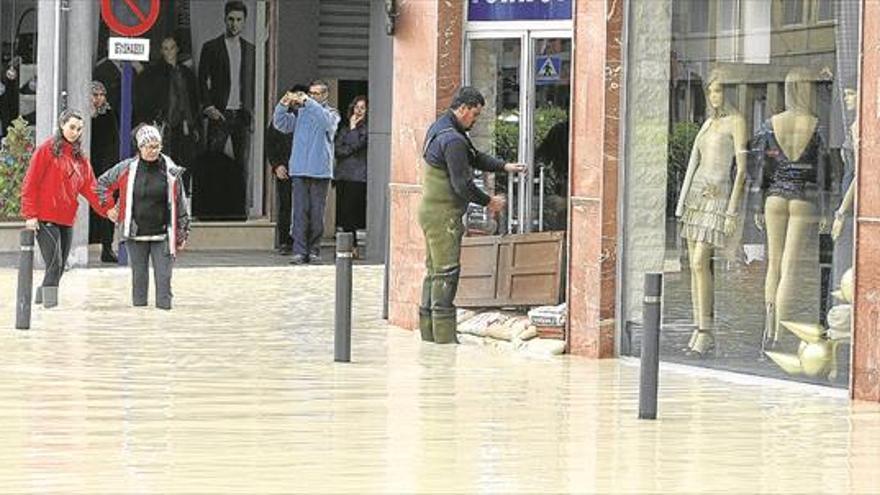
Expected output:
{"points": [[298, 259], [315, 255], [285, 250]]}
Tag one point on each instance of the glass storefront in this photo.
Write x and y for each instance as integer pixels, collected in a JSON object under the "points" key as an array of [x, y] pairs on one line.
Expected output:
{"points": [[738, 175], [526, 78]]}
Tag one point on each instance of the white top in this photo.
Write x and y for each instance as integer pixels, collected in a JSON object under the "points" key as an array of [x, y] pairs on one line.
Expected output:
{"points": [[233, 49]]}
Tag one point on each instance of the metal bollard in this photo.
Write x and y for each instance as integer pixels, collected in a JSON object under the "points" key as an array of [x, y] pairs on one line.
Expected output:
{"points": [[650, 366], [25, 280], [342, 340]]}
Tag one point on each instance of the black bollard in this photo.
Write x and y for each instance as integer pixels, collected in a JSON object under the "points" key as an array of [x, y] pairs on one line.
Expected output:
{"points": [[342, 340], [25, 280], [650, 366]]}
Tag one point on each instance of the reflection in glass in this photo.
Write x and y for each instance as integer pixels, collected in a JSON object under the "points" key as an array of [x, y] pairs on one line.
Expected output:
{"points": [[550, 133], [494, 71], [763, 279]]}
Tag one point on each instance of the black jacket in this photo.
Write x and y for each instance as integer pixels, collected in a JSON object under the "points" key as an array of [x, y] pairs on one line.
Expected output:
{"points": [[214, 81], [448, 147], [351, 154], [153, 87]]}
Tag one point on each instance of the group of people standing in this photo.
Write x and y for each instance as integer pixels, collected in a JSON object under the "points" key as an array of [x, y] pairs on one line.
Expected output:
{"points": [[308, 151]]}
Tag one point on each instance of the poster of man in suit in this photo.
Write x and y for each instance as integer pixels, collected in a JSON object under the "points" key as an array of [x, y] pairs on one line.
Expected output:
{"points": [[203, 53], [226, 82]]}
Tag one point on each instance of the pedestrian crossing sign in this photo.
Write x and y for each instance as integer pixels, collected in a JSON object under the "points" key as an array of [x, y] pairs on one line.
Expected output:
{"points": [[548, 69]]}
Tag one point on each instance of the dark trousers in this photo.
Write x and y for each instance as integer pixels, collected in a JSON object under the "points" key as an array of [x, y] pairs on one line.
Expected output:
{"points": [[100, 230], [139, 255], [235, 125], [54, 241], [309, 199], [282, 220], [181, 147], [351, 206]]}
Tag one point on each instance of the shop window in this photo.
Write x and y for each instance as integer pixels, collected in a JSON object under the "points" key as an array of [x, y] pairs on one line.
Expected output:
{"points": [[739, 186]]}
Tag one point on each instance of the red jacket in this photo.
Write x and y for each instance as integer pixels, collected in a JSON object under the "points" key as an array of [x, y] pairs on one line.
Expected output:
{"points": [[52, 184]]}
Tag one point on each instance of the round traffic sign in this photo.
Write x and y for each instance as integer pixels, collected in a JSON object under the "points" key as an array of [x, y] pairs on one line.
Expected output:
{"points": [[130, 17]]}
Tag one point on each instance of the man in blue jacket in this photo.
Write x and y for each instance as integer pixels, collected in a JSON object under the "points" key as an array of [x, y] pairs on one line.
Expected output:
{"points": [[310, 166]]}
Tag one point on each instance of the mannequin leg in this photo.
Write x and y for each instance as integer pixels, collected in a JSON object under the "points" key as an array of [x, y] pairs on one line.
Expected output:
{"points": [[802, 223], [700, 259], [695, 303], [776, 223]]}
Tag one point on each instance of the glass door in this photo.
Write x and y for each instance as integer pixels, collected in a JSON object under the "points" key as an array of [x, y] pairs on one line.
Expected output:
{"points": [[525, 77]]}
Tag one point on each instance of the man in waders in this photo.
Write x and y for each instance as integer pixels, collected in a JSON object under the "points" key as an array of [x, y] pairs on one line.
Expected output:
{"points": [[448, 187]]}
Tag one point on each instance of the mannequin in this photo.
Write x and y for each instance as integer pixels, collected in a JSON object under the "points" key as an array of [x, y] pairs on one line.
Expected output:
{"points": [[851, 101], [790, 151], [708, 203]]}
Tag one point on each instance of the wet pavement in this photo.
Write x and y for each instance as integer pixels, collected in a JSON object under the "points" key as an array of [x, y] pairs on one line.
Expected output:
{"points": [[235, 391]]}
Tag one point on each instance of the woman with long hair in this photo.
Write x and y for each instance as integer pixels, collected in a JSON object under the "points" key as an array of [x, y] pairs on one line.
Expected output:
{"points": [[350, 175], [57, 175]]}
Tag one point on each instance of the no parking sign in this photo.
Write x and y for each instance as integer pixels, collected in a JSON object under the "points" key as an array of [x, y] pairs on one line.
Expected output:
{"points": [[130, 17]]}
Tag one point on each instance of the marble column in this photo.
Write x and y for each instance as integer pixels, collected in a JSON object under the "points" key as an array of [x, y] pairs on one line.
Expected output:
{"points": [[592, 271], [427, 71], [866, 327]]}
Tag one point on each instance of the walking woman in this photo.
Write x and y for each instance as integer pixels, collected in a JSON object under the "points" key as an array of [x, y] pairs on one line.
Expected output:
{"points": [[350, 176], [57, 175], [153, 208]]}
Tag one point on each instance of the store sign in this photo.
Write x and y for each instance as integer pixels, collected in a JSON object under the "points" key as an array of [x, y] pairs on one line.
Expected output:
{"points": [[131, 49], [519, 10]]}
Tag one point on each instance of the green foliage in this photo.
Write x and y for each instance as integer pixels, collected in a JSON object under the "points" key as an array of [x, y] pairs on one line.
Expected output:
{"points": [[15, 155], [681, 141], [507, 130]]}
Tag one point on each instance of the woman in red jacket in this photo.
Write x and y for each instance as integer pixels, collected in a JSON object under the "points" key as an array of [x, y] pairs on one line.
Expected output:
{"points": [[57, 175]]}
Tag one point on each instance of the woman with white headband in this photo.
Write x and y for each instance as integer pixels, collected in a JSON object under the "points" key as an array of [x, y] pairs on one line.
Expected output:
{"points": [[153, 210]]}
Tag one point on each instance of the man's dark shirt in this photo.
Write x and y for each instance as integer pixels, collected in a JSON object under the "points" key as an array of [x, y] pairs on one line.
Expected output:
{"points": [[450, 149]]}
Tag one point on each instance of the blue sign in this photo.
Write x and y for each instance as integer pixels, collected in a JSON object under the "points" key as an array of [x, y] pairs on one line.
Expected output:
{"points": [[519, 10], [547, 70]]}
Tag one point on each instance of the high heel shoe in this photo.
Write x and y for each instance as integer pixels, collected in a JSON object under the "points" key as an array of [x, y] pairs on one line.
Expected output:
{"points": [[702, 343]]}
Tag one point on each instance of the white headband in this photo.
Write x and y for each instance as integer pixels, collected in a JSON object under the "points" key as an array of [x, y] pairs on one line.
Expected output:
{"points": [[148, 134]]}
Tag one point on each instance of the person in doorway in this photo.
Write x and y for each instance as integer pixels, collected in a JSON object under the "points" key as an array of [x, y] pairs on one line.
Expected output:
{"points": [[350, 175], [104, 153], [154, 212], [226, 85], [311, 164], [278, 146], [168, 98], [58, 173], [448, 188]]}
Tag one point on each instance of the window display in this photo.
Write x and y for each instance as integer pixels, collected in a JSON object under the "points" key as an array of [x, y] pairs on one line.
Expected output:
{"points": [[738, 182]]}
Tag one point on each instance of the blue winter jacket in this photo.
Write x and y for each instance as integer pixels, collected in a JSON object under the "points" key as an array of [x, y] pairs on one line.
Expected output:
{"points": [[313, 128]]}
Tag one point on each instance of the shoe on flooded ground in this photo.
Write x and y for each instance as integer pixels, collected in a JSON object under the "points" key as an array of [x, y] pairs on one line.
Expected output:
{"points": [[298, 259], [108, 256]]}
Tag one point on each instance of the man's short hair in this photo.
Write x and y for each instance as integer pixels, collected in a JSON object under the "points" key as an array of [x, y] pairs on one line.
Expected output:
{"points": [[234, 6], [298, 87], [468, 96], [319, 82]]}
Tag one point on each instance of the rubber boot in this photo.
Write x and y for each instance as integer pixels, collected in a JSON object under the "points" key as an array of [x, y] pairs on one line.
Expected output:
{"points": [[38, 296], [50, 297], [445, 325], [425, 324]]}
